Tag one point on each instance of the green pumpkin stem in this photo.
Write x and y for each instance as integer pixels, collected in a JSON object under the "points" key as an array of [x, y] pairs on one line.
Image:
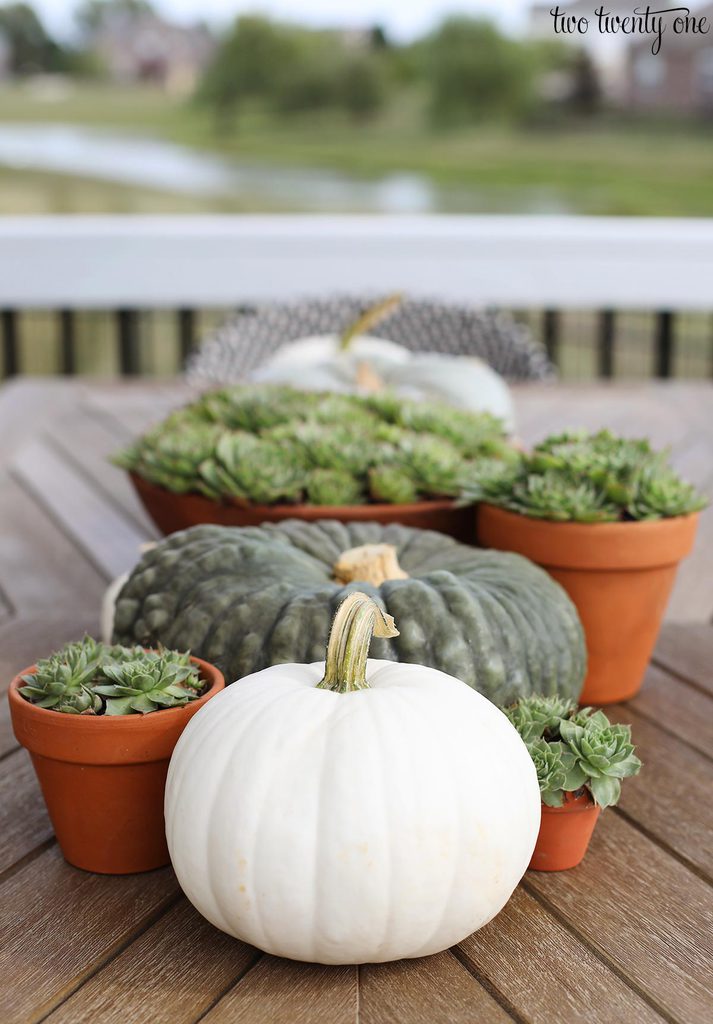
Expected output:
{"points": [[368, 319], [358, 618]]}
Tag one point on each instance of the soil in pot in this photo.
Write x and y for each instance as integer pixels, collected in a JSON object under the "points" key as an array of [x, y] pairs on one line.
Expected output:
{"points": [[172, 512], [103, 777], [565, 833], [619, 575]]}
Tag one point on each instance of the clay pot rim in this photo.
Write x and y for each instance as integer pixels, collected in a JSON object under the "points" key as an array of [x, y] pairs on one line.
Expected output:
{"points": [[584, 802], [301, 510], [642, 544], [209, 673]]}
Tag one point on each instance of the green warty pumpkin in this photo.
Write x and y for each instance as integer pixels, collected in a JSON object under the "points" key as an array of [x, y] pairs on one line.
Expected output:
{"points": [[247, 598]]}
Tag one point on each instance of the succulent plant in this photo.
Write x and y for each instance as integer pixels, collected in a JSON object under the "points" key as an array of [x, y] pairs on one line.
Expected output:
{"points": [[557, 770], [147, 681], [574, 749], [262, 445], [537, 716], [604, 754], [589, 478], [64, 681], [87, 677]]}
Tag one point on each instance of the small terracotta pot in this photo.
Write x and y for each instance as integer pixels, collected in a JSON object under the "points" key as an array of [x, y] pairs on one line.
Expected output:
{"points": [[103, 777], [173, 512], [565, 833], [619, 576]]}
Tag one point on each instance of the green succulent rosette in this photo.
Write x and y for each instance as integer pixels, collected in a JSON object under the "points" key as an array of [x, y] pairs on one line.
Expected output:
{"points": [[574, 749]]}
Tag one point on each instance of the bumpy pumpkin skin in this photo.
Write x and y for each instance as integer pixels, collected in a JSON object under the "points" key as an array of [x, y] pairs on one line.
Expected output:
{"points": [[248, 598]]}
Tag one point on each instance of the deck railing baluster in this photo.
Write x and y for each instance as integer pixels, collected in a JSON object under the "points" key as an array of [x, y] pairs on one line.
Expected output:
{"points": [[67, 351], [550, 333], [127, 325], [186, 333], [11, 362], [664, 344], [606, 343]]}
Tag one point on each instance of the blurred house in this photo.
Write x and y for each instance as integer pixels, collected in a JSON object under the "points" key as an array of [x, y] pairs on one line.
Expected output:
{"points": [[143, 47], [679, 79]]}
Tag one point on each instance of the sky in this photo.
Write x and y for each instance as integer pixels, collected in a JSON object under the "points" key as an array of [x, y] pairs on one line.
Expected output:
{"points": [[404, 19]]}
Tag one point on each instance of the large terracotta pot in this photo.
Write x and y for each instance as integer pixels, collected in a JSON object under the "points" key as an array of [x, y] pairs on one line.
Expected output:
{"points": [[103, 777], [173, 512], [565, 833], [619, 576]]}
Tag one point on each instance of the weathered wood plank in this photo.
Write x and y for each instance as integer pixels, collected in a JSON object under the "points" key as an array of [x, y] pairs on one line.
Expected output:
{"points": [[40, 567], [60, 924], [644, 912], [670, 800], [27, 405], [545, 973], [285, 992], [171, 974], [676, 708], [437, 988], [24, 824], [108, 538], [686, 650], [87, 442]]}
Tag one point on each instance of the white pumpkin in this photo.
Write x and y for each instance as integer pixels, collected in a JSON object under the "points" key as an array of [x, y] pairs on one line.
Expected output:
{"points": [[321, 363], [360, 812]]}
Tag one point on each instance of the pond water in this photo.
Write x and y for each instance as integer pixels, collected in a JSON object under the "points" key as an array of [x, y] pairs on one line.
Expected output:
{"points": [[151, 163]]}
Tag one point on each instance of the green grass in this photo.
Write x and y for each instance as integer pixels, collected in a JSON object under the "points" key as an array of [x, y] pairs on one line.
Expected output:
{"points": [[597, 168]]}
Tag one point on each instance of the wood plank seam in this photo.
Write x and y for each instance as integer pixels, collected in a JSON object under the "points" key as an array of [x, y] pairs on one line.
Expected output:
{"points": [[109, 954], [663, 845], [28, 857], [81, 552], [670, 732], [229, 988], [80, 468], [499, 997], [609, 963], [680, 677]]}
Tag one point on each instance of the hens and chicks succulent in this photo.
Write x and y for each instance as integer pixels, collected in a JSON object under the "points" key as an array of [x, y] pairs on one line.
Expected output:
{"points": [[90, 678], [270, 445], [574, 749]]}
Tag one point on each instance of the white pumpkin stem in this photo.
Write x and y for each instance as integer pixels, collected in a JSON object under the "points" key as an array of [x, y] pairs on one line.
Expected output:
{"points": [[369, 563], [369, 318], [358, 618]]}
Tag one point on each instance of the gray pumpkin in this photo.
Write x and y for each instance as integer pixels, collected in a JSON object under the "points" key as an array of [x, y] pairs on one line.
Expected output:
{"points": [[246, 598]]}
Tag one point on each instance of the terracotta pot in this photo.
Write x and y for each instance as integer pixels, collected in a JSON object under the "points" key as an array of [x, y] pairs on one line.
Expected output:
{"points": [[103, 777], [619, 576], [565, 833], [173, 512]]}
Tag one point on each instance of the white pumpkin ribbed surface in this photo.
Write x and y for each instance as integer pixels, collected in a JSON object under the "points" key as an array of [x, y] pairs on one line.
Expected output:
{"points": [[350, 827]]}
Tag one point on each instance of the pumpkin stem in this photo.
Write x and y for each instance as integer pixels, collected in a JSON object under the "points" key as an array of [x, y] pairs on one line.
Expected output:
{"points": [[358, 618], [369, 563], [368, 319]]}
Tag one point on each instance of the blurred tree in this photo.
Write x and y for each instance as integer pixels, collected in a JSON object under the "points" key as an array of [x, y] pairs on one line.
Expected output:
{"points": [[92, 14], [475, 72], [361, 87], [586, 95], [32, 50], [246, 65], [290, 69]]}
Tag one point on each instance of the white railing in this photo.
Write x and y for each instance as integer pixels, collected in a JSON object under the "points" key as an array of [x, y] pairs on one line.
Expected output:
{"points": [[132, 262]]}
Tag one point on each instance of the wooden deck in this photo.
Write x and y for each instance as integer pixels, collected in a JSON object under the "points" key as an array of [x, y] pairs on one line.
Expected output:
{"points": [[626, 937]]}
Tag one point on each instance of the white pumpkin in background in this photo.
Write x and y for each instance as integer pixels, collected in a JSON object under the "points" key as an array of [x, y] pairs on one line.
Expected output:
{"points": [[357, 362], [357, 812]]}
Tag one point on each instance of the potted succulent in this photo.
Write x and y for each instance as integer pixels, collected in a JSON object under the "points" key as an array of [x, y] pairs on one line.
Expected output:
{"points": [[610, 520], [580, 758], [247, 455], [100, 723]]}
